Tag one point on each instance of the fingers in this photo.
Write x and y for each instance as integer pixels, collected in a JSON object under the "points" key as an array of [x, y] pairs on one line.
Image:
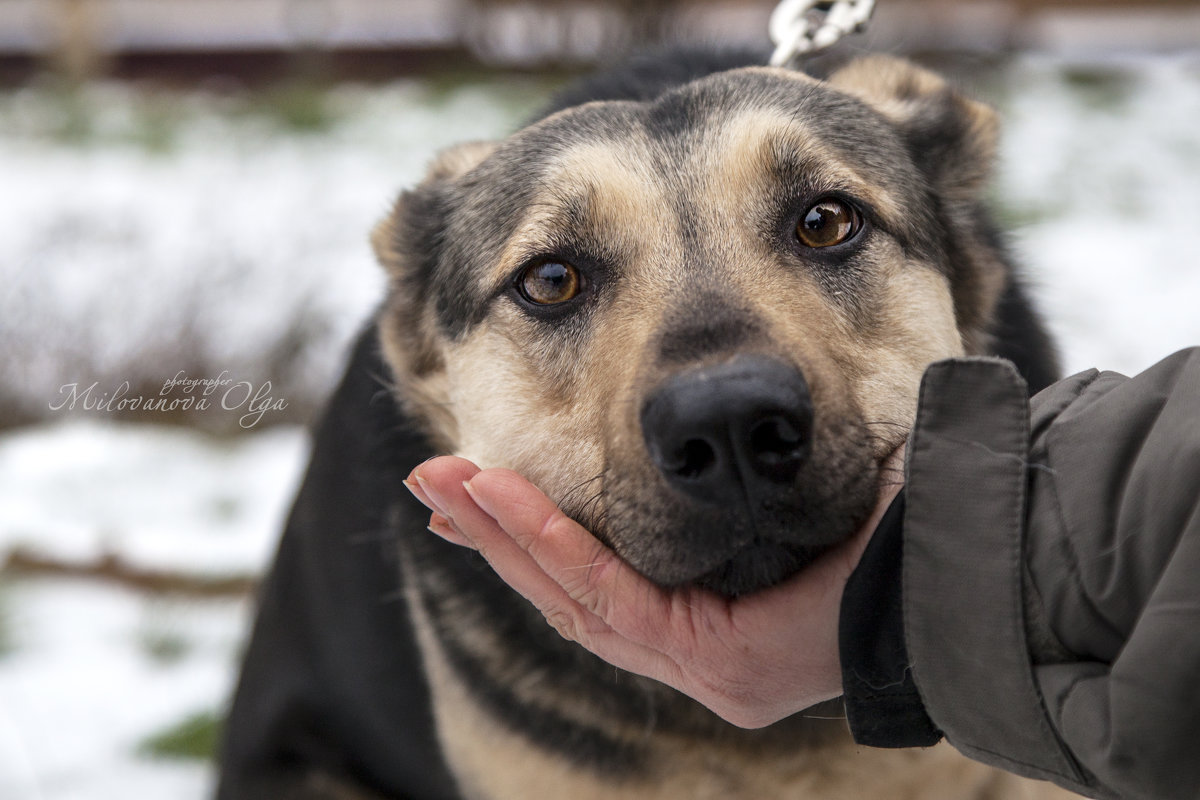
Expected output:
{"points": [[444, 528], [591, 574], [556, 564], [520, 529], [430, 480], [719, 651], [588, 571], [539, 550], [448, 471], [441, 484], [529, 523]]}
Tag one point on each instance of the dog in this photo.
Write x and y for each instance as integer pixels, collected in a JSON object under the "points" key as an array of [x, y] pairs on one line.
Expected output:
{"points": [[693, 302]]}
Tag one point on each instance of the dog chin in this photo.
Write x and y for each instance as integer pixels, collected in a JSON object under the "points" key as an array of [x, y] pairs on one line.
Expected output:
{"points": [[757, 566]]}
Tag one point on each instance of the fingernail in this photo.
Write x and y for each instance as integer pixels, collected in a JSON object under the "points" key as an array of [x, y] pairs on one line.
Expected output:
{"points": [[411, 483], [438, 501], [443, 528], [471, 492]]}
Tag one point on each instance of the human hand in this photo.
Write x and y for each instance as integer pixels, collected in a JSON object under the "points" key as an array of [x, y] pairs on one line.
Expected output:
{"points": [[752, 660]]}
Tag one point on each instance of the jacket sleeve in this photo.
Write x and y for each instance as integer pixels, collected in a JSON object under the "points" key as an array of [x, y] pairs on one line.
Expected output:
{"points": [[1051, 578]]}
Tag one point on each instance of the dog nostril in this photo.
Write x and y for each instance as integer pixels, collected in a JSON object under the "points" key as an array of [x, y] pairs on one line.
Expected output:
{"points": [[776, 440], [730, 432], [695, 458]]}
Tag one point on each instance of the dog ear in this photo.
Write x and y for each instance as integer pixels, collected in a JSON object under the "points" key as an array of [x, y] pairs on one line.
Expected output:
{"points": [[952, 139], [409, 237], [408, 243]]}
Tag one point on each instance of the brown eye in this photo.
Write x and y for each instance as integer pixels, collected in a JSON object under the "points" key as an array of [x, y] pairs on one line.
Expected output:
{"points": [[550, 282], [827, 223]]}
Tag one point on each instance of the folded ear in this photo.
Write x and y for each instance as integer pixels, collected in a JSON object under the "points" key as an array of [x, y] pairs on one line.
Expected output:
{"points": [[410, 235], [952, 138], [408, 242]]}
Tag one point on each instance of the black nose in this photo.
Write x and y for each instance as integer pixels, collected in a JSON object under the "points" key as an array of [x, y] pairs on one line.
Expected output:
{"points": [[730, 432]]}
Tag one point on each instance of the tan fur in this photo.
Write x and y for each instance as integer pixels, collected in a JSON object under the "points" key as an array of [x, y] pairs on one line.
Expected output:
{"points": [[898, 91], [895, 88], [510, 410], [739, 155], [408, 335], [621, 198], [920, 325], [502, 396], [492, 762]]}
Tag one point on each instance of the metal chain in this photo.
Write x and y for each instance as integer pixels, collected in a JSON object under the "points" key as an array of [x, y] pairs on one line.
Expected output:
{"points": [[805, 27]]}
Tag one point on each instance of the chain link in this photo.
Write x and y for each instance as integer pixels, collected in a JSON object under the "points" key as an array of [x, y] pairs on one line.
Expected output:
{"points": [[805, 27]]}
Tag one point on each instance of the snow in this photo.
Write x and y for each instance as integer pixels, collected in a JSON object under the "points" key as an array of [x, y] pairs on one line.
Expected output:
{"points": [[81, 692], [84, 683], [161, 497], [1114, 174], [236, 232], [123, 260], [239, 238]]}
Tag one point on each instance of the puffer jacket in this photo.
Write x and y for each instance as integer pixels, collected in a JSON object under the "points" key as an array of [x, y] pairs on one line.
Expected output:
{"points": [[1034, 596]]}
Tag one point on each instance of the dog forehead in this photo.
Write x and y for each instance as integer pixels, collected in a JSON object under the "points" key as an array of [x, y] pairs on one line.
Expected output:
{"points": [[734, 138], [682, 116], [737, 126], [622, 176]]}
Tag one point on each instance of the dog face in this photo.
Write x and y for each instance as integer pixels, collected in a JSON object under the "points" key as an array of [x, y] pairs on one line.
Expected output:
{"points": [[699, 322]]}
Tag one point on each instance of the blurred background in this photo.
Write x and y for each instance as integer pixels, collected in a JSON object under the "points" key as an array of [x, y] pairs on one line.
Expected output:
{"points": [[186, 189]]}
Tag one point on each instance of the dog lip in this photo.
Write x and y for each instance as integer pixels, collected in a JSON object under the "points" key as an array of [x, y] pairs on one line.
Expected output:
{"points": [[758, 565]]}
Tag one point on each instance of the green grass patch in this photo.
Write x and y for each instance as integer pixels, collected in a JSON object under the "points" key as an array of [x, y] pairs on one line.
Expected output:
{"points": [[1101, 88], [194, 738], [297, 107], [164, 646], [103, 115]]}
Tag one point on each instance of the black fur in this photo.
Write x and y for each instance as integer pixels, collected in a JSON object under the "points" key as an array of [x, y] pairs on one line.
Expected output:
{"points": [[718, 330], [1019, 336], [646, 77], [333, 681]]}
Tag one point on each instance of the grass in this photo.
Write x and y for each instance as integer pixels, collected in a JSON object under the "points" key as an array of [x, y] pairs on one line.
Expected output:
{"points": [[1011, 215], [194, 738], [79, 116], [164, 646], [153, 119], [1101, 88], [299, 106]]}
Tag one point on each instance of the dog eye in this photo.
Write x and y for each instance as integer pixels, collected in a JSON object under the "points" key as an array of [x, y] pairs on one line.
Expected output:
{"points": [[549, 283], [827, 223]]}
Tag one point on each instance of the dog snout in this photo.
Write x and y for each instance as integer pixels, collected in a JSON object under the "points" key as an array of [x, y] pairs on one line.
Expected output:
{"points": [[733, 432]]}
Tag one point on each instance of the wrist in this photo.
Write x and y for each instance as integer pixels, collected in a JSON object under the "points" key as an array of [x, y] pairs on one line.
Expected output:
{"points": [[883, 706]]}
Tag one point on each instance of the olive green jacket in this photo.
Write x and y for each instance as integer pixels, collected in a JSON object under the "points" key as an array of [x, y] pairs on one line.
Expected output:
{"points": [[1050, 555]]}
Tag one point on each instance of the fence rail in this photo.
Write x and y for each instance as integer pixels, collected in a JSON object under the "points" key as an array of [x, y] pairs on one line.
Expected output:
{"points": [[82, 37]]}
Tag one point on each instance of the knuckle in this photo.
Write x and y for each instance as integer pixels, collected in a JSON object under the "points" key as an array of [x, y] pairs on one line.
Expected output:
{"points": [[586, 587], [589, 596], [563, 621]]}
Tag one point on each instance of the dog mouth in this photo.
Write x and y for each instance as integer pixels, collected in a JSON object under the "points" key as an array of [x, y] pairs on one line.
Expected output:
{"points": [[759, 565]]}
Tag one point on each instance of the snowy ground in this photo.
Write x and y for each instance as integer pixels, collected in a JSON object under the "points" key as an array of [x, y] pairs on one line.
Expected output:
{"points": [[1100, 170], [148, 233], [142, 236]]}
